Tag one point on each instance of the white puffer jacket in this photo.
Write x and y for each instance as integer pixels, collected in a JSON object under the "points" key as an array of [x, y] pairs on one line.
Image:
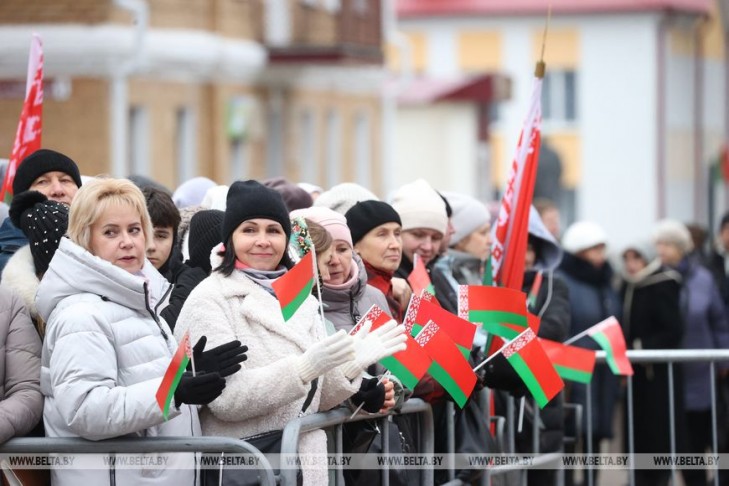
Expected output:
{"points": [[103, 359], [268, 392]]}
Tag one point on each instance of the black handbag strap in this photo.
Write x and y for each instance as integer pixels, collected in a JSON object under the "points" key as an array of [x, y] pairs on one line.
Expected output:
{"points": [[310, 396]]}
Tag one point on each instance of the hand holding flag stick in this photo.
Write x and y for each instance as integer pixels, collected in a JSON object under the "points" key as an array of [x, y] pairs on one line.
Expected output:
{"points": [[386, 375]]}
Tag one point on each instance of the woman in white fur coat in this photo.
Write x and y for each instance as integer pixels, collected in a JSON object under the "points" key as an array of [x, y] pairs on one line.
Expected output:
{"points": [[237, 302]]}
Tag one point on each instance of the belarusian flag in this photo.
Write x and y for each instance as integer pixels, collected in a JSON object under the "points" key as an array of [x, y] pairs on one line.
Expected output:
{"points": [[609, 335], [459, 330], [419, 279], [410, 365], [449, 367], [530, 361], [571, 362], [499, 310], [173, 375], [509, 234], [28, 133], [295, 286]]}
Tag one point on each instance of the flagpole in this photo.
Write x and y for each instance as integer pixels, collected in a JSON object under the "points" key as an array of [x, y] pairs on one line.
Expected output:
{"points": [[480, 365], [318, 285], [578, 336], [387, 374]]}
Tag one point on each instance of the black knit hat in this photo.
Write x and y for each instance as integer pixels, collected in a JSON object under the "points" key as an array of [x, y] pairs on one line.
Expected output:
{"points": [[365, 216], [249, 200], [40, 162], [204, 234], [43, 222]]}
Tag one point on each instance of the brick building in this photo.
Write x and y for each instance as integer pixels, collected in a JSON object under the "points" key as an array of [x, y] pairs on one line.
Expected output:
{"points": [[221, 88]]}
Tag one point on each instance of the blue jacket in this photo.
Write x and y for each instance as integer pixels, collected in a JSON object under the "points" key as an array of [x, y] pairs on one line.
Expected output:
{"points": [[706, 328], [11, 239]]}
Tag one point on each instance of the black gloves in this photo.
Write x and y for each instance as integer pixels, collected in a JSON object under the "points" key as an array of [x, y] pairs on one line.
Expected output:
{"points": [[372, 394], [199, 390], [225, 359]]}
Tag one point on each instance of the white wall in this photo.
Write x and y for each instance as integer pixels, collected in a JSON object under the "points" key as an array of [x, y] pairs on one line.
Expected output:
{"points": [[618, 125], [436, 142]]}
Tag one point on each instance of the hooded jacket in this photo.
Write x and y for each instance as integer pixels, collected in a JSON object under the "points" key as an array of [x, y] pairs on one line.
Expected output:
{"points": [[11, 239], [344, 307], [267, 392], [104, 356], [21, 402]]}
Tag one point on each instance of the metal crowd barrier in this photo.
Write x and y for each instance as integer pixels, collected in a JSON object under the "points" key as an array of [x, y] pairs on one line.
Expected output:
{"points": [[338, 417], [668, 357], [72, 445]]}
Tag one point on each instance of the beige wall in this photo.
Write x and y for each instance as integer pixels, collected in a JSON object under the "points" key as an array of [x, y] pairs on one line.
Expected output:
{"points": [[77, 126]]}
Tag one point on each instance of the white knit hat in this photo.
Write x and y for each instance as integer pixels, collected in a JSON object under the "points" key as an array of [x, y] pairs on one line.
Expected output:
{"points": [[583, 235], [343, 196], [420, 206], [674, 232], [469, 214]]}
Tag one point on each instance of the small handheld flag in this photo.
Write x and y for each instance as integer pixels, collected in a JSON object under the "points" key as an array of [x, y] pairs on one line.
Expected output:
{"points": [[295, 286], [572, 363], [173, 375], [419, 279], [609, 335]]}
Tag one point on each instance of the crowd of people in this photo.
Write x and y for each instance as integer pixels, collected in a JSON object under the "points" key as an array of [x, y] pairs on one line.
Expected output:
{"points": [[102, 277]]}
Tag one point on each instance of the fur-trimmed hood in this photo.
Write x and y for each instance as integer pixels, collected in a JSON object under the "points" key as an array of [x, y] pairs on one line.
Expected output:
{"points": [[19, 276]]}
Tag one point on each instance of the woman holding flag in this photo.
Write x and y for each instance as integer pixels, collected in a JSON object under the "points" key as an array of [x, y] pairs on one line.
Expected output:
{"points": [[106, 348], [291, 356]]}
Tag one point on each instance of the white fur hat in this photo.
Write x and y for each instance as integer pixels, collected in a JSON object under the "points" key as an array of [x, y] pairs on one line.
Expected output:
{"points": [[583, 235], [469, 214], [342, 197], [674, 232], [420, 206]]}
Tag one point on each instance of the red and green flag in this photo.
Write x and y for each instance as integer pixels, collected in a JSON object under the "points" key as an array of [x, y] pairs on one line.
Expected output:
{"points": [[419, 279], [571, 362], [173, 375], [499, 310], [28, 133], [449, 367], [410, 365], [459, 330], [533, 366], [609, 335], [293, 287]]}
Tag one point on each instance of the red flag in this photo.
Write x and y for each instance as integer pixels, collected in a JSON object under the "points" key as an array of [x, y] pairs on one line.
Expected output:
{"points": [[293, 287], [609, 335], [28, 134], [173, 375], [534, 367], [572, 363], [449, 367], [512, 225], [419, 279], [409, 365], [459, 330]]}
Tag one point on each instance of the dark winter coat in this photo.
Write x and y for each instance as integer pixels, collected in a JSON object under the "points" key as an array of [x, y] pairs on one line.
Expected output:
{"points": [[706, 328], [11, 239], [592, 299], [652, 320]]}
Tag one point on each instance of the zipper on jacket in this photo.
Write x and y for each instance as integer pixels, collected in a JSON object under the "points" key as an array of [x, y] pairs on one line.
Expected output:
{"points": [[164, 296], [151, 312]]}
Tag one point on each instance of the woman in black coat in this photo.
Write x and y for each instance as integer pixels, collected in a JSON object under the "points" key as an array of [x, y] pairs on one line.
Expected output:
{"points": [[652, 320]]}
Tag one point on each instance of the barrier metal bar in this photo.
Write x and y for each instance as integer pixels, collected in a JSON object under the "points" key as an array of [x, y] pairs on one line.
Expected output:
{"points": [[136, 445], [451, 439], [714, 440], [296, 427], [588, 446], [385, 450], [631, 443], [672, 416]]}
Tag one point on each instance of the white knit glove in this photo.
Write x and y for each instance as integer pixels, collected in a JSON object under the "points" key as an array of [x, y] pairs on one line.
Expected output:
{"points": [[325, 355], [370, 347]]}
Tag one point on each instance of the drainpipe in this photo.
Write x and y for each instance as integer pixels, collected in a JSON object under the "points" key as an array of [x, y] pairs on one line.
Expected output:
{"points": [[661, 118], [700, 170], [119, 88]]}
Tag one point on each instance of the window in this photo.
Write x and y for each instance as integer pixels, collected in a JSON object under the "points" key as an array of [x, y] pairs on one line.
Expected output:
{"points": [[362, 150], [307, 146], [559, 96], [334, 149], [138, 152], [186, 145]]}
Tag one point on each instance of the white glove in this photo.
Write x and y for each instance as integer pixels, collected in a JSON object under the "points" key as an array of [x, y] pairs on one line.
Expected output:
{"points": [[325, 355], [370, 347]]}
